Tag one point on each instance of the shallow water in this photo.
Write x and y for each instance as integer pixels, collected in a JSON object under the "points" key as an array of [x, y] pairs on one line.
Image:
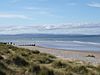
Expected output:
{"points": [[70, 45]]}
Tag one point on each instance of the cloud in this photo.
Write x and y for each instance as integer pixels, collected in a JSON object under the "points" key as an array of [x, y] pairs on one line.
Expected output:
{"points": [[32, 8], [13, 16], [71, 26], [35, 8], [94, 4], [67, 28], [41, 11], [49, 27], [45, 13]]}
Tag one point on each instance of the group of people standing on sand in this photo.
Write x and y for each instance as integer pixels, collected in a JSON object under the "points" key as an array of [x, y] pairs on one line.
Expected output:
{"points": [[11, 43]]}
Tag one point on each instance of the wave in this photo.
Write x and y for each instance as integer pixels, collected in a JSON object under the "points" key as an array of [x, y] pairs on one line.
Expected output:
{"points": [[89, 43], [80, 42]]}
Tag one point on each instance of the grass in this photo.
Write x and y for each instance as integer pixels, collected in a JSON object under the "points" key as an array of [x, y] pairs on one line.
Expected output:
{"points": [[20, 61]]}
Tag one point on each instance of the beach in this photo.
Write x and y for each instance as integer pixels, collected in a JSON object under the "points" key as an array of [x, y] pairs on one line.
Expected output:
{"points": [[69, 54]]}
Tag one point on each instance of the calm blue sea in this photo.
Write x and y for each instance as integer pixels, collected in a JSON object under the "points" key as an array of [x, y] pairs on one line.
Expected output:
{"points": [[70, 42]]}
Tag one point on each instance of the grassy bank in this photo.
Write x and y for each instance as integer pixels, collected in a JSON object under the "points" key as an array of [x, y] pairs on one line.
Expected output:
{"points": [[20, 61]]}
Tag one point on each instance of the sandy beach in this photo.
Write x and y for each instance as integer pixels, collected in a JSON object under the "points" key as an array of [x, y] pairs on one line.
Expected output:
{"points": [[68, 54]]}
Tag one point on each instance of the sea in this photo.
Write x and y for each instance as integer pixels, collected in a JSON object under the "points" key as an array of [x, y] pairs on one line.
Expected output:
{"points": [[58, 41]]}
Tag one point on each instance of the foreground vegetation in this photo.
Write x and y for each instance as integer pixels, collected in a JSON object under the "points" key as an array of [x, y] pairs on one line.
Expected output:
{"points": [[20, 61]]}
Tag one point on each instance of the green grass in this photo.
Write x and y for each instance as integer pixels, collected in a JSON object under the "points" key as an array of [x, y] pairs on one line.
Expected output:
{"points": [[20, 61]]}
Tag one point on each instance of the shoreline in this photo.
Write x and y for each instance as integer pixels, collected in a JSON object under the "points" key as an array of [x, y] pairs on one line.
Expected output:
{"points": [[70, 49], [68, 54]]}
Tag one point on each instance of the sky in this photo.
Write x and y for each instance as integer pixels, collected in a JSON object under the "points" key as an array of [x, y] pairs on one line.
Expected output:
{"points": [[50, 16]]}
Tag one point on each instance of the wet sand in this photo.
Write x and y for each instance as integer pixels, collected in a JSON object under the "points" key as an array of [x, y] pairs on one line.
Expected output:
{"points": [[68, 54]]}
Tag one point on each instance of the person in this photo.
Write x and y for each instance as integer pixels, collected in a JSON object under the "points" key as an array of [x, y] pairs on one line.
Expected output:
{"points": [[33, 45], [11, 43]]}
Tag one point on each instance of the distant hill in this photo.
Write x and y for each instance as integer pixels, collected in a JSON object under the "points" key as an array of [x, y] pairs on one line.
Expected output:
{"points": [[50, 35]]}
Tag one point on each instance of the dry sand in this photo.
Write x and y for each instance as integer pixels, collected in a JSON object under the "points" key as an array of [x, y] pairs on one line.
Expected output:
{"points": [[68, 54]]}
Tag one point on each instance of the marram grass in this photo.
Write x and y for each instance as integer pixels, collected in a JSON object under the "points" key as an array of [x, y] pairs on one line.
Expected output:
{"points": [[20, 61]]}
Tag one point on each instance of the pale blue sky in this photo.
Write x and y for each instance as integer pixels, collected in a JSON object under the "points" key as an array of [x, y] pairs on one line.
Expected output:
{"points": [[50, 16]]}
